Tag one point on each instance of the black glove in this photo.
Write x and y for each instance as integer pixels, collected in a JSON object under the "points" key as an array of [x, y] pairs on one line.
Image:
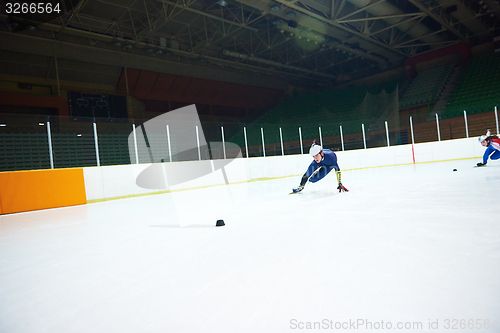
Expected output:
{"points": [[342, 188], [481, 164]]}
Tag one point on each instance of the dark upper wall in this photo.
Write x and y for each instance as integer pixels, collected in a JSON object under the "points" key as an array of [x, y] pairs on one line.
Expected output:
{"points": [[148, 85]]}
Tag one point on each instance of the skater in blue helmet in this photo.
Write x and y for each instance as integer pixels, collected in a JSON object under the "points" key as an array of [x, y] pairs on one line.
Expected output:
{"points": [[325, 161]]}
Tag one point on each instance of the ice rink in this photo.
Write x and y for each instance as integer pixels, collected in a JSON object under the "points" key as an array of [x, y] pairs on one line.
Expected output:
{"points": [[412, 248]]}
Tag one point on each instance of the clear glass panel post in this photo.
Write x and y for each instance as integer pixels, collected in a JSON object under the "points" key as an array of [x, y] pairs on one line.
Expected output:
{"points": [[263, 144], [96, 141], [281, 139], [411, 128], [364, 137], [496, 118], [466, 125], [387, 134], [437, 124], [135, 145], [169, 146], [246, 140], [300, 138], [223, 141], [320, 136], [198, 143], [342, 138], [51, 153]]}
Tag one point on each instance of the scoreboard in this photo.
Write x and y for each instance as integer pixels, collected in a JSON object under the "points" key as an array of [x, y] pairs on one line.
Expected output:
{"points": [[97, 105]]}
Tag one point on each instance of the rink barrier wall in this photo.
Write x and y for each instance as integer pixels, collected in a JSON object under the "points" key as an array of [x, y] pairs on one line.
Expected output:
{"points": [[116, 182], [22, 191], [41, 189]]}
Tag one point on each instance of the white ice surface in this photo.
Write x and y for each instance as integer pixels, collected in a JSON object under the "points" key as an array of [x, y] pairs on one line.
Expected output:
{"points": [[417, 243]]}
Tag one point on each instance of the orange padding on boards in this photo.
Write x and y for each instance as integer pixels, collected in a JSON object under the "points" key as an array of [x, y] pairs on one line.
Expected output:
{"points": [[22, 191]]}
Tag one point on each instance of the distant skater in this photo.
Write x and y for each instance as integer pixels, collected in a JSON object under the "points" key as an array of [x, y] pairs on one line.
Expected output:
{"points": [[492, 144], [324, 161]]}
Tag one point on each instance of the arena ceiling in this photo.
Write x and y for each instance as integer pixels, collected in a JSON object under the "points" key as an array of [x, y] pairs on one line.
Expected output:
{"points": [[265, 43]]}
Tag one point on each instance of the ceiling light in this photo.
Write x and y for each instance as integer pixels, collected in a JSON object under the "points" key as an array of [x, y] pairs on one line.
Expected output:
{"points": [[275, 8], [222, 3], [303, 32]]}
